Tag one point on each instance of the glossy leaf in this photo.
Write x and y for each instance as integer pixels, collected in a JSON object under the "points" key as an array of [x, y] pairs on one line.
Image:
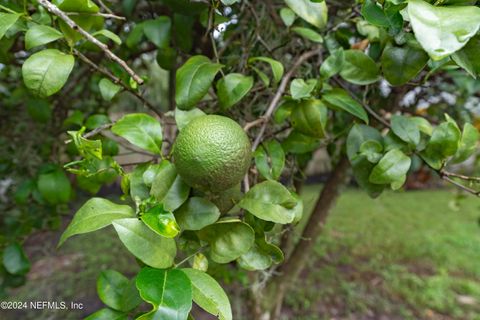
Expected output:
{"points": [[340, 99], [333, 64], [232, 88], [108, 89], [372, 150], [158, 31], [314, 13], [310, 118], [288, 16], [468, 143], [165, 175], [358, 68], [270, 201], [146, 245], [308, 34], [182, 118], [401, 65], [197, 213], [117, 292], [468, 58], [443, 30], [300, 88], [406, 129], [140, 130], [109, 35], [7, 20], [176, 195], [95, 214], [276, 66], [374, 14], [209, 295], [47, 71], [193, 81], [168, 291], [392, 168], [39, 35], [270, 159], [299, 143], [228, 239], [161, 221]]}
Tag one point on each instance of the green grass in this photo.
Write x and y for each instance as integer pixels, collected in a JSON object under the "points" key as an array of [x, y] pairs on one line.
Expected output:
{"points": [[411, 255]]}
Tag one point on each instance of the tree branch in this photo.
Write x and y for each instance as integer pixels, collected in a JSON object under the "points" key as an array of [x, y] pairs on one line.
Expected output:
{"points": [[115, 80], [62, 15], [104, 15], [278, 95]]}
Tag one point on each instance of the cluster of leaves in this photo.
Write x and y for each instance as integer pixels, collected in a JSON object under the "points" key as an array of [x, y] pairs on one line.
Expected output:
{"points": [[334, 105]]}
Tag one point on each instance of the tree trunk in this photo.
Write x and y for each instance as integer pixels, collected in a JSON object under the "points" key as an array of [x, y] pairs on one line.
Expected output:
{"points": [[291, 269]]}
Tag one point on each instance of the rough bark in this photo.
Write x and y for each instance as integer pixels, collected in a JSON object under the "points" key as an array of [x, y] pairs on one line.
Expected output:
{"points": [[291, 269]]}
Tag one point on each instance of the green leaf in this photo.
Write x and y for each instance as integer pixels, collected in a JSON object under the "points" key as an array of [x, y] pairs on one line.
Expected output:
{"points": [[168, 291], [444, 141], [406, 129], [299, 143], [468, 143], [468, 58], [54, 187], [401, 65], [358, 135], [158, 31], [161, 222], [86, 148], [340, 99], [146, 245], [300, 88], [108, 34], [163, 181], [14, 260], [140, 129], [276, 66], [96, 120], [228, 239], [358, 68], [288, 16], [443, 30], [39, 35], [176, 195], [108, 89], [107, 314], [40, 110], [182, 118], [423, 125], [117, 292], [209, 295], [308, 34], [95, 214], [371, 149], [229, 2], [197, 213], [232, 88], [310, 118], [392, 168], [270, 159], [7, 20], [47, 71], [314, 13], [167, 58], [270, 201], [193, 81], [374, 14], [138, 188], [333, 64]]}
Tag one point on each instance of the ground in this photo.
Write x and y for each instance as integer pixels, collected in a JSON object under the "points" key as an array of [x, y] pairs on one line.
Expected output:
{"points": [[411, 255]]}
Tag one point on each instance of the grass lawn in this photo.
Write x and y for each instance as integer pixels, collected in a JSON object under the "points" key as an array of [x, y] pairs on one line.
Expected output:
{"points": [[410, 255]]}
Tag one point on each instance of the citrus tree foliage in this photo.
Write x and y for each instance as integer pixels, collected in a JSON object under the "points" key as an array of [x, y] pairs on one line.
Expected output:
{"points": [[369, 80]]}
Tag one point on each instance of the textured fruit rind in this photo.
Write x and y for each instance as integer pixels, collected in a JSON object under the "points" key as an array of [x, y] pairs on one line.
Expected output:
{"points": [[212, 153]]}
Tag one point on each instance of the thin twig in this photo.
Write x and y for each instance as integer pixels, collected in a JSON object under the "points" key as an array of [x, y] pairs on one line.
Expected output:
{"points": [[116, 80], [104, 7], [367, 107], [461, 186], [94, 131], [254, 123], [104, 15], [278, 95], [62, 15], [459, 176]]}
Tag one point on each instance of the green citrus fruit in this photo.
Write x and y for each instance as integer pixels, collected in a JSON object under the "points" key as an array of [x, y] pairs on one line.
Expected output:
{"points": [[212, 153]]}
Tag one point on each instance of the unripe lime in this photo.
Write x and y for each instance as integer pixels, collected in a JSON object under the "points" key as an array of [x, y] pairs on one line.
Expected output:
{"points": [[212, 153]]}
